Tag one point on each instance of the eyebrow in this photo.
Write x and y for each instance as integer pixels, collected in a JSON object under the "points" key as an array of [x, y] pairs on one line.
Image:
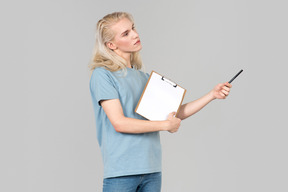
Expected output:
{"points": [[127, 30]]}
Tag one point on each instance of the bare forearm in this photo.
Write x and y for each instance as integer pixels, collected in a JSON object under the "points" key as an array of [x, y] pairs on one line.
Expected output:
{"points": [[123, 124], [130, 125], [188, 109], [220, 91]]}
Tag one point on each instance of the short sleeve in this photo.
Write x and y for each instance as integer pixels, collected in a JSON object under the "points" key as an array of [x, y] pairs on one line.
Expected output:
{"points": [[102, 86]]}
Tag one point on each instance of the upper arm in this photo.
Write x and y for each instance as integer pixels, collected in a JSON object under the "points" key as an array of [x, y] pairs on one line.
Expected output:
{"points": [[102, 86], [114, 111]]}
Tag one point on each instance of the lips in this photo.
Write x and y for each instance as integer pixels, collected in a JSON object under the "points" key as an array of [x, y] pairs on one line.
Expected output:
{"points": [[137, 42]]}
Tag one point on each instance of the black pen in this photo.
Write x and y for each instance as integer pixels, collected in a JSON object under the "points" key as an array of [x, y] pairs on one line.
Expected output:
{"points": [[235, 76]]}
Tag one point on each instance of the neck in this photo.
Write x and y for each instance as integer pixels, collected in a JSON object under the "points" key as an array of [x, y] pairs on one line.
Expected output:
{"points": [[127, 57], [128, 63]]}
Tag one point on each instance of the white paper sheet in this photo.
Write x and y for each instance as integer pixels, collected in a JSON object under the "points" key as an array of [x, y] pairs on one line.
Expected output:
{"points": [[160, 98]]}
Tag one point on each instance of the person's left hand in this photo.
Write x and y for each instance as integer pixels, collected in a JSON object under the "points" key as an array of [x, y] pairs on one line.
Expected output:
{"points": [[221, 91]]}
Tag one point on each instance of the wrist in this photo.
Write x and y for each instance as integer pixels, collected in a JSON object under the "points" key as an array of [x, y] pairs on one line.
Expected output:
{"points": [[211, 96], [165, 125]]}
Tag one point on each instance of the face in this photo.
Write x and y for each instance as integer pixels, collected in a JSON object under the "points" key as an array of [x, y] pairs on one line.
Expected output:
{"points": [[126, 40]]}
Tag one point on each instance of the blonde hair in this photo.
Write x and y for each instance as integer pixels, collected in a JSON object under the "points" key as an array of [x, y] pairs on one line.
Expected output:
{"points": [[103, 56]]}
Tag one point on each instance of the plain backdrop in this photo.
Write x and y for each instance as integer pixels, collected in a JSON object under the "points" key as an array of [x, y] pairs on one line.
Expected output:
{"points": [[48, 135]]}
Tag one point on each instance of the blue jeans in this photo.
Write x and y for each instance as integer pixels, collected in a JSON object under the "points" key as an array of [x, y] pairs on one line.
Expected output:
{"points": [[134, 183]]}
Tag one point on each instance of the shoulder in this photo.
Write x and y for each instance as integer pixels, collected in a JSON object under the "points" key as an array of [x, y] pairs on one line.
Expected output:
{"points": [[145, 74], [100, 73], [100, 70], [99, 76]]}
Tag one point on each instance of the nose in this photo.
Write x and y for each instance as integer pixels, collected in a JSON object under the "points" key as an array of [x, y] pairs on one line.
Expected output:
{"points": [[135, 34]]}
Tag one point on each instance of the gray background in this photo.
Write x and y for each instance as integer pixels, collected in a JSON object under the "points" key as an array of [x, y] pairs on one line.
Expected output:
{"points": [[48, 137]]}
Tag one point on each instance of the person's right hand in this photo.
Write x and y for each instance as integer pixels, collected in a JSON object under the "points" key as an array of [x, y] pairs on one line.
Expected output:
{"points": [[173, 123]]}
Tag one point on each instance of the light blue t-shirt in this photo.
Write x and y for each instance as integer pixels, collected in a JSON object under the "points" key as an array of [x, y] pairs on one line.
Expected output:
{"points": [[123, 154]]}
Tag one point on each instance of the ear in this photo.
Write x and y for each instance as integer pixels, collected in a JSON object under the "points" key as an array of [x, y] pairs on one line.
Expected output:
{"points": [[111, 45]]}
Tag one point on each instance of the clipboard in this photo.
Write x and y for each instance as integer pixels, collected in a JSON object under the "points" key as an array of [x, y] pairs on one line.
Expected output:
{"points": [[160, 97]]}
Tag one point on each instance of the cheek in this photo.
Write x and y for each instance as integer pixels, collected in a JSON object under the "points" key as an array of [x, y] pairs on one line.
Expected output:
{"points": [[123, 43]]}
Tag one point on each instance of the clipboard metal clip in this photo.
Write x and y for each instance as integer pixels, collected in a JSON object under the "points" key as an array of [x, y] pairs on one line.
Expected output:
{"points": [[168, 81]]}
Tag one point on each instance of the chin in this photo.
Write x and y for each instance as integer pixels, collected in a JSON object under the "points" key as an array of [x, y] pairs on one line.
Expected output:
{"points": [[140, 47]]}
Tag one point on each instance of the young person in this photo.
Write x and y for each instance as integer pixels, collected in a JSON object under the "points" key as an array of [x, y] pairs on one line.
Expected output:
{"points": [[130, 144]]}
